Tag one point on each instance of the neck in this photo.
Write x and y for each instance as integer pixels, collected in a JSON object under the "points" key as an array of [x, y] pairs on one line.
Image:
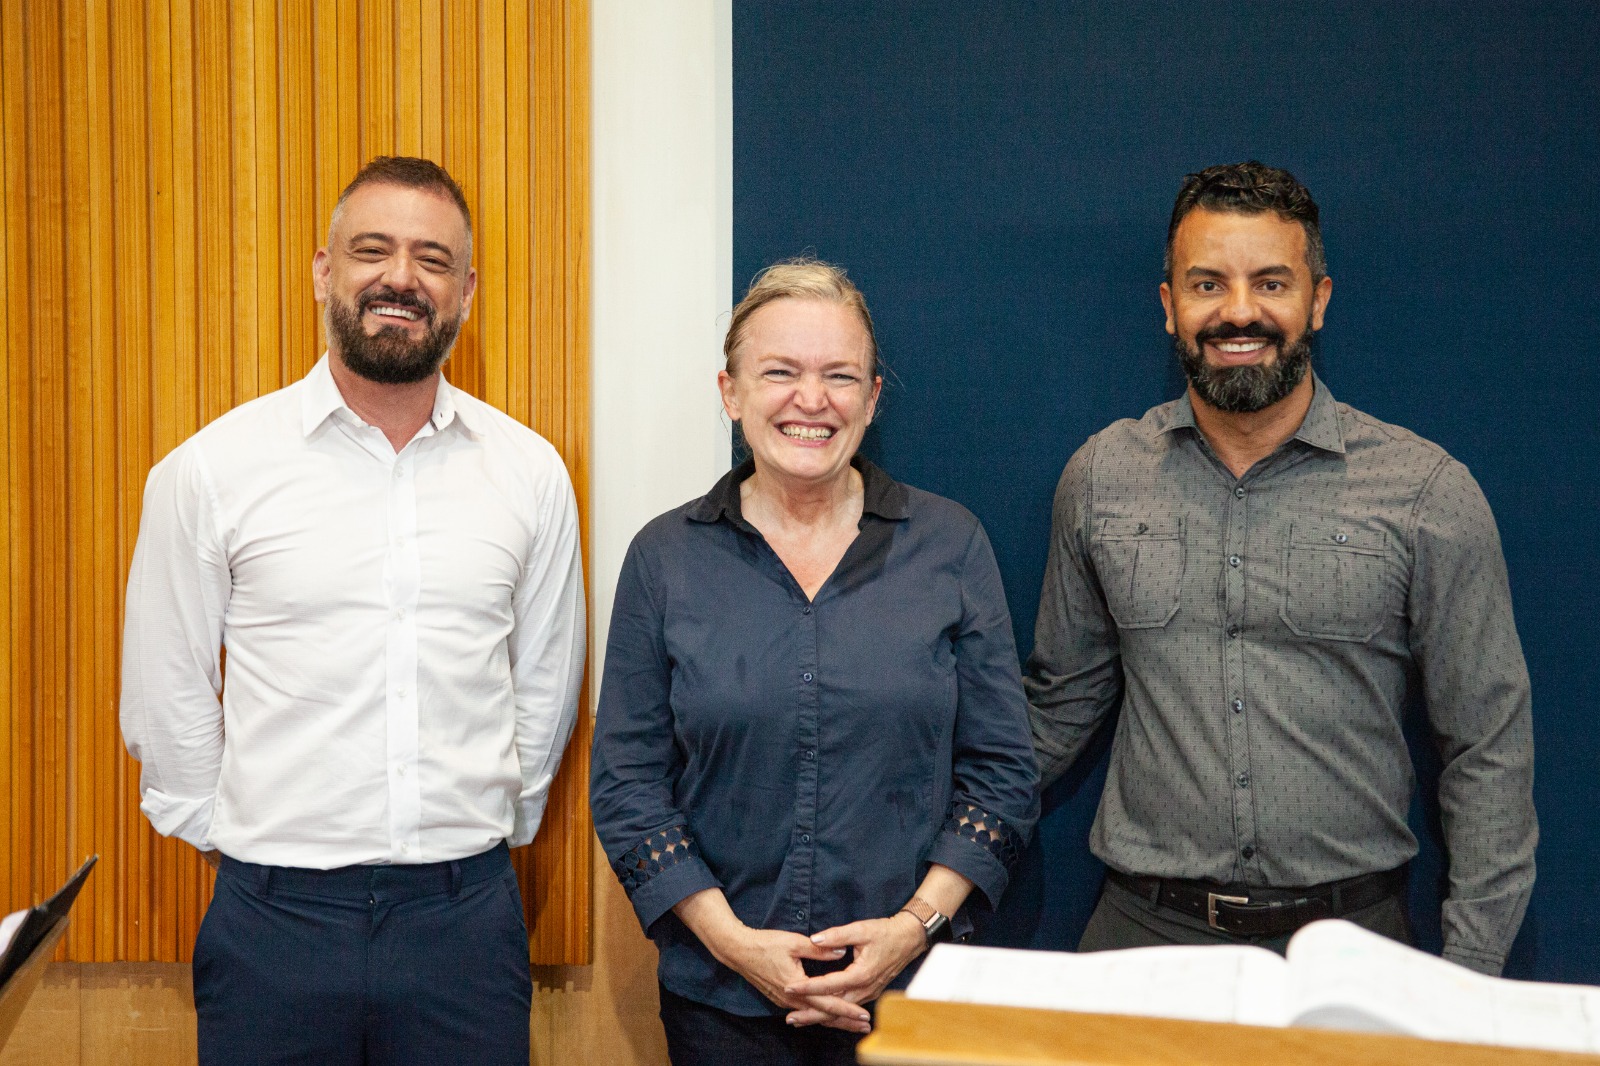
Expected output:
{"points": [[764, 497], [398, 410], [1243, 438]]}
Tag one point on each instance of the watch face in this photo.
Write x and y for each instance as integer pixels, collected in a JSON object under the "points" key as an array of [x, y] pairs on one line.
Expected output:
{"points": [[937, 928]]}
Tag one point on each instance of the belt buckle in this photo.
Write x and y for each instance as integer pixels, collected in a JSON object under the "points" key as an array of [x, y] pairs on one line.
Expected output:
{"points": [[1212, 899]]}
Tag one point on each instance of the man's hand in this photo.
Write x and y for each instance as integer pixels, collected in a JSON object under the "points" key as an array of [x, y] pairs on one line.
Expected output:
{"points": [[213, 858], [883, 947]]}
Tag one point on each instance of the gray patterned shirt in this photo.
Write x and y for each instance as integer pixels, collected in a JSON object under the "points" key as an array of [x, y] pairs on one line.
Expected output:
{"points": [[1260, 634]]}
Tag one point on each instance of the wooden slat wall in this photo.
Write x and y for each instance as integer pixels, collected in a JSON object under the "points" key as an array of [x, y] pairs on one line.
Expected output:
{"points": [[168, 169]]}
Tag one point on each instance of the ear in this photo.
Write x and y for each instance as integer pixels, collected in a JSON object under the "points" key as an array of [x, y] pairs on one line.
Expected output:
{"points": [[872, 401], [730, 399], [1166, 302], [1319, 301], [321, 269], [467, 290]]}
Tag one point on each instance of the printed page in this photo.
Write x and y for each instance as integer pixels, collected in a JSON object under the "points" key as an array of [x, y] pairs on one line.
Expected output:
{"points": [[8, 928], [1344, 977], [1203, 984]]}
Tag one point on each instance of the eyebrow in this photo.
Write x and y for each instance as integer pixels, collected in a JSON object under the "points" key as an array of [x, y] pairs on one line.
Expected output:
{"points": [[374, 235], [1277, 270]]}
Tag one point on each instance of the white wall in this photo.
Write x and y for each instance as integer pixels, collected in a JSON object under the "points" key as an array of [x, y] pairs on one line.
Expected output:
{"points": [[663, 267]]}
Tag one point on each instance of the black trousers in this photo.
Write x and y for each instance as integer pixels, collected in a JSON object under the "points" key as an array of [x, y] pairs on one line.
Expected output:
{"points": [[698, 1035], [364, 965], [1124, 919]]}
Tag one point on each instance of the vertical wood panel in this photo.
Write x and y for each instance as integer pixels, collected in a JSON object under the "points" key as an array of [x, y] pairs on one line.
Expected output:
{"points": [[168, 169]]}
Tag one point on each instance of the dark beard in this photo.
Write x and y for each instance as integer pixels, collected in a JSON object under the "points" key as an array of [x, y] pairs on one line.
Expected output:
{"points": [[389, 356], [1244, 389]]}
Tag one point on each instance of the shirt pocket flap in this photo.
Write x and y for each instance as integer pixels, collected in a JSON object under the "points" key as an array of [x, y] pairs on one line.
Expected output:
{"points": [[1122, 527], [1331, 534]]}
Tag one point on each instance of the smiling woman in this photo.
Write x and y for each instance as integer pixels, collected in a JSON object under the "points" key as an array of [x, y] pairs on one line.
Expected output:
{"points": [[811, 744]]}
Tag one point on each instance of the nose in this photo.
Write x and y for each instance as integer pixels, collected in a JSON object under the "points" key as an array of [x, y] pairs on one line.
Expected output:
{"points": [[1240, 308], [811, 394], [400, 273]]}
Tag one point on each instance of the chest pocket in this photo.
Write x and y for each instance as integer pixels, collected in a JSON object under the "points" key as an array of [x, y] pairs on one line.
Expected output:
{"points": [[1140, 564], [1334, 584]]}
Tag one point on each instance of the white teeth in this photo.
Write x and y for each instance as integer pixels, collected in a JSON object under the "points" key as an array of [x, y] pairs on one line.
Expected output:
{"points": [[396, 312], [808, 432], [1241, 346]]}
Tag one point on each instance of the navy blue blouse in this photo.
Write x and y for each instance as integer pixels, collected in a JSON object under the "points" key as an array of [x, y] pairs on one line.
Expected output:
{"points": [[808, 758]]}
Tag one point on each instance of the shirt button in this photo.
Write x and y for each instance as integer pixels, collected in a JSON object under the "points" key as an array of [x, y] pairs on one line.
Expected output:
{"points": [[1244, 780], [800, 916], [400, 614], [400, 692], [806, 677], [402, 770], [1233, 560], [1239, 492], [808, 755], [399, 471], [1248, 851], [805, 838], [1238, 705], [405, 847], [1340, 538], [806, 611], [1233, 631]]}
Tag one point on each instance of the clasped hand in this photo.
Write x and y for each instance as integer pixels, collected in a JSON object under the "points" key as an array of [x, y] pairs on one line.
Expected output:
{"points": [[883, 947]]}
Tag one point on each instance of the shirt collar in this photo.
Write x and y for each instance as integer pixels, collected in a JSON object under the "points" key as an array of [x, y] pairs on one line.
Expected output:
{"points": [[321, 398], [882, 495], [1320, 428]]}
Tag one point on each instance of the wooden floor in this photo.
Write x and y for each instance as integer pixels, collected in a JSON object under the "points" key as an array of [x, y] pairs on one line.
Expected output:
{"points": [[142, 1014]]}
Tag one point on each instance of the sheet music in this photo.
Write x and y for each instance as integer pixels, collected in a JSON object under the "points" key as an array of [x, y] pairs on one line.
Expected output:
{"points": [[1208, 984]]}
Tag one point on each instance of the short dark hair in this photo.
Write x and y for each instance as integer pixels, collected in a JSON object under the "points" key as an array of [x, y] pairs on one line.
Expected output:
{"points": [[1251, 188], [410, 172]]}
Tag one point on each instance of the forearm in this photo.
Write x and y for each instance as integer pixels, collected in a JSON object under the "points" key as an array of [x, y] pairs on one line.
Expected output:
{"points": [[943, 889]]}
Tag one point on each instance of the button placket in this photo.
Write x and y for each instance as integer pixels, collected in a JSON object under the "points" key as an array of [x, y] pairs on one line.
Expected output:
{"points": [[1235, 546], [403, 584]]}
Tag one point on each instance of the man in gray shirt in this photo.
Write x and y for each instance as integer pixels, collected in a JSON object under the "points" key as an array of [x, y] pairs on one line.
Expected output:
{"points": [[1258, 575]]}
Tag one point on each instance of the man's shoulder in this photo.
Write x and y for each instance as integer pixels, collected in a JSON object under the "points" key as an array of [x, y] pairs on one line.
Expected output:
{"points": [[250, 432], [1368, 438], [485, 418], [1131, 440]]}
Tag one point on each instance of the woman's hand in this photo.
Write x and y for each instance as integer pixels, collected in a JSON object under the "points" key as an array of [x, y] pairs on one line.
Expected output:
{"points": [[883, 947], [769, 959]]}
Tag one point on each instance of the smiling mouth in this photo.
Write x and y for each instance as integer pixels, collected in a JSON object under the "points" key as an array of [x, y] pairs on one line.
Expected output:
{"points": [[806, 432], [1240, 347], [396, 312]]}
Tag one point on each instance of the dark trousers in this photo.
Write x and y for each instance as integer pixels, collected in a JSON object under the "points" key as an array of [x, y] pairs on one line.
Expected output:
{"points": [[698, 1035], [1124, 919], [364, 965]]}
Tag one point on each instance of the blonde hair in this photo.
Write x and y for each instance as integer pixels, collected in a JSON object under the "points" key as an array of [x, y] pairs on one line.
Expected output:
{"points": [[802, 278]]}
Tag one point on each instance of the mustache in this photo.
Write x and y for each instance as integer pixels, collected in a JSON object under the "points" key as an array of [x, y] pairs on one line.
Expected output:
{"points": [[1225, 332], [399, 299]]}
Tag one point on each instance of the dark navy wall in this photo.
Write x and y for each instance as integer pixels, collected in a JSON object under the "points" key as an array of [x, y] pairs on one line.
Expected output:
{"points": [[997, 178]]}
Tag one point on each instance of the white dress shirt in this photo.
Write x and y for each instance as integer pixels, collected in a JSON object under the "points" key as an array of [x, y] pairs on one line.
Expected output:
{"points": [[404, 632]]}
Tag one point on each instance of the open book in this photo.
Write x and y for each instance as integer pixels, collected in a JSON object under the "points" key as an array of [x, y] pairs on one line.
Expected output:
{"points": [[1337, 976], [24, 930]]}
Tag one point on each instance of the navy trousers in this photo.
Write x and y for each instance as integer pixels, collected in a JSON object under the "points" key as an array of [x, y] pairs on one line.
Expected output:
{"points": [[364, 965]]}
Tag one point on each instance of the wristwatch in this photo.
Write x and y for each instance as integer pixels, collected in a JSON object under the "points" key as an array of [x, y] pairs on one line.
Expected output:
{"points": [[935, 926]]}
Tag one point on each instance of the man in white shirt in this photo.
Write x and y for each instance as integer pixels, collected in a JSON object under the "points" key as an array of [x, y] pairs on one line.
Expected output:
{"points": [[393, 568]]}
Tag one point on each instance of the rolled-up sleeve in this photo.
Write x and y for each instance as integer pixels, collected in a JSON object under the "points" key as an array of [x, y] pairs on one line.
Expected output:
{"points": [[995, 797], [636, 762], [178, 592], [1479, 703], [1074, 675]]}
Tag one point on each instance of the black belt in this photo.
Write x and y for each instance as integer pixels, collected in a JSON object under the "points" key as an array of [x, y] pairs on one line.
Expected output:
{"points": [[1245, 911]]}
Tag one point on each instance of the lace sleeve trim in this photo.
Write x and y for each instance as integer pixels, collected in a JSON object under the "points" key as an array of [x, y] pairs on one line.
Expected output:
{"points": [[653, 855], [985, 830]]}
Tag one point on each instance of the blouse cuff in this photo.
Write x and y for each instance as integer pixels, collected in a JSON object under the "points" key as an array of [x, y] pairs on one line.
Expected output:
{"points": [[660, 870], [978, 845]]}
